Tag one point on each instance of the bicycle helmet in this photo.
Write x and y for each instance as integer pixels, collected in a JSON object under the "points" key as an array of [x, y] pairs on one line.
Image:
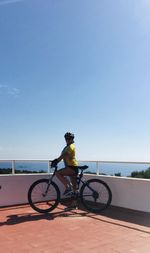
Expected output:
{"points": [[69, 135]]}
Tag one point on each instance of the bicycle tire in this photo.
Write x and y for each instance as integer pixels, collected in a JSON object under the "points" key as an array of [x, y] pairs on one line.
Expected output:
{"points": [[39, 202], [100, 192]]}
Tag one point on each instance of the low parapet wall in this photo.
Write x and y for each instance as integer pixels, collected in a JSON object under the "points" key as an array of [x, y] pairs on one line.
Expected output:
{"points": [[126, 192]]}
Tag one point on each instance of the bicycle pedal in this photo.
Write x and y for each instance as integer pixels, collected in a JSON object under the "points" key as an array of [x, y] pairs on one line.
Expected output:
{"points": [[69, 194], [69, 208]]}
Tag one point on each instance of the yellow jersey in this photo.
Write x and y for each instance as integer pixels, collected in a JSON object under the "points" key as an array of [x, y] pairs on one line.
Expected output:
{"points": [[69, 155]]}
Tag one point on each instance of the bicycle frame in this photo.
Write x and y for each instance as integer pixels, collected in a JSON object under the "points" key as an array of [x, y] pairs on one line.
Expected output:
{"points": [[84, 182], [79, 180]]}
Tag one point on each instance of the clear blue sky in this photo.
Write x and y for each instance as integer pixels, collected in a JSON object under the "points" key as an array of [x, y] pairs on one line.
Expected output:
{"points": [[79, 66]]}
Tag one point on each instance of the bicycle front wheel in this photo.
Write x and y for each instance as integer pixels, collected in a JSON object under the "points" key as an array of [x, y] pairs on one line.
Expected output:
{"points": [[43, 197], [95, 195]]}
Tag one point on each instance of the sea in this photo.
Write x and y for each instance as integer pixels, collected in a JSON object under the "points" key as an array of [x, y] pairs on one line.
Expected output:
{"points": [[105, 168]]}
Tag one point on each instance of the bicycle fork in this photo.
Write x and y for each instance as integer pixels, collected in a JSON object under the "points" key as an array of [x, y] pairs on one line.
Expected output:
{"points": [[48, 185]]}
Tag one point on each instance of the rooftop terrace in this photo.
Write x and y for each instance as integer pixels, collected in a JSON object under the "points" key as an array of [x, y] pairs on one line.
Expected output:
{"points": [[124, 227], [115, 230]]}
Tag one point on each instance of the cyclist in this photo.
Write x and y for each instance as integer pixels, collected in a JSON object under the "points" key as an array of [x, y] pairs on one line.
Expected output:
{"points": [[70, 162]]}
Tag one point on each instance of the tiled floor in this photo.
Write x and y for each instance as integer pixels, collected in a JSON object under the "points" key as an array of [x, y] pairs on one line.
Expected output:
{"points": [[116, 230]]}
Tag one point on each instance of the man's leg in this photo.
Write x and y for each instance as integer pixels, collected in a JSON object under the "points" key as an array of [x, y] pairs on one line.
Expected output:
{"points": [[61, 175], [74, 180]]}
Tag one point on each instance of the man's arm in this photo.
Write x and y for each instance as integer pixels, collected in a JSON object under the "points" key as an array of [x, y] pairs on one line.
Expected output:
{"points": [[62, 156]]}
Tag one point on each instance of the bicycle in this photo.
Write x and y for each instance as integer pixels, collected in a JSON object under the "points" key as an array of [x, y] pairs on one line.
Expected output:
{"points": [[94, 194]]}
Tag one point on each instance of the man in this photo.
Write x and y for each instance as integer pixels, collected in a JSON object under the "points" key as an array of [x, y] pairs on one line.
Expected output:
{"points": [[70, 162]]}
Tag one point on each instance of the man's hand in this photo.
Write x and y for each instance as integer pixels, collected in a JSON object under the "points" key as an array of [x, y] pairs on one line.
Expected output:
{"points": [[54, 163]]}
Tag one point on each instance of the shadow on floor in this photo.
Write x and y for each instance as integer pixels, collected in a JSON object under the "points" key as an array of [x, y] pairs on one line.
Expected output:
{"points": [[120, 214], [130, 219], [128, 215]]}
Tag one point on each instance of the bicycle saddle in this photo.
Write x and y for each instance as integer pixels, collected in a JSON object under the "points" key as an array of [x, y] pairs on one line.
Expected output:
{"points": [[84, 167]]}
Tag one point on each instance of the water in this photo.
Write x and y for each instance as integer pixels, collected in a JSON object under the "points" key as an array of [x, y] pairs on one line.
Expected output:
{"points": [[25, 167], [125, 169], [104, 168], [122, 168]]}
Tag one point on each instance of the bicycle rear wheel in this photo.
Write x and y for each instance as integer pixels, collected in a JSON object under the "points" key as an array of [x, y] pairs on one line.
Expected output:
{"points": [[95, 195], [43, 198]]}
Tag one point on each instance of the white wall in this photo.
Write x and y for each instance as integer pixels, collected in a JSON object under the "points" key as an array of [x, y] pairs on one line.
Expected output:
{"points": [[129, 192], [15, 188], [126, 192]]}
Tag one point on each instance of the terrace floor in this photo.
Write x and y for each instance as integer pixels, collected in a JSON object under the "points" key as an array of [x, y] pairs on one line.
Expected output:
{"points": [[23, 230]]}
